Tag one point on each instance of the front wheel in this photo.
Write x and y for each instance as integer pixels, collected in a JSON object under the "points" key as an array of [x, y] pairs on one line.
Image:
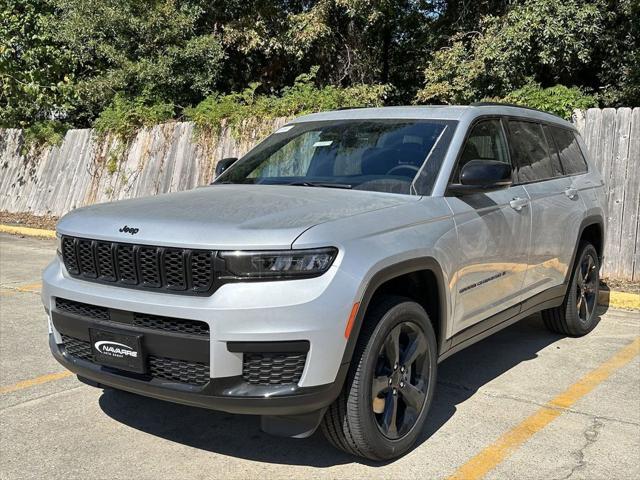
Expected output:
{"points": [[577, 314], [384, 403]]}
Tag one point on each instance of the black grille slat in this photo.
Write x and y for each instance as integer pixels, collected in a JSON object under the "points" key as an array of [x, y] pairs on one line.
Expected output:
{"points": [[180, 271], [172, 369], [174, 269], [87, 259], [69, 255], [201, 271], [104, 258], [126, 261], [178, 325], [83, 309], [149, 260], [273, 368]]}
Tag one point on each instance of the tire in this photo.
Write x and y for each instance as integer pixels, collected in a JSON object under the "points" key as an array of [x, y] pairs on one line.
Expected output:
{"points": [[577, 314], [350, 423]]}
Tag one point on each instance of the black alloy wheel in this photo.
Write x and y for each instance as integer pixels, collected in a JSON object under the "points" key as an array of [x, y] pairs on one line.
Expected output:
{"points": [[577, 314], [401, 380], [587, 287], [387, 394]]}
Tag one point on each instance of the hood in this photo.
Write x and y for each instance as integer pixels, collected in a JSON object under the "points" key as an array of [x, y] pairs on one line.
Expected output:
{"points": [[224, 216]]}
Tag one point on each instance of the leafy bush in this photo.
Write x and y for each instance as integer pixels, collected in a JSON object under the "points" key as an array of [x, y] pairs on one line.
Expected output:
{"points": [[42, 134], [301, 98], [124, 116], [559, 99]]}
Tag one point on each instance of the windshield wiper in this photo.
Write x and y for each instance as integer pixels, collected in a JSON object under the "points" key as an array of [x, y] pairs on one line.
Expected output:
{"points": [[319, 184]]}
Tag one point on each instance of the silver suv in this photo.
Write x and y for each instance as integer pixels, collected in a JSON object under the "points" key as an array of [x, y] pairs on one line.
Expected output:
{"points": [[321, 278]]}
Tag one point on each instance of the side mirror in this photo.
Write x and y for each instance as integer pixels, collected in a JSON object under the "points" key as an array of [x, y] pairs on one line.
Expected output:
{"points": [[223, 164], [482, 176]]}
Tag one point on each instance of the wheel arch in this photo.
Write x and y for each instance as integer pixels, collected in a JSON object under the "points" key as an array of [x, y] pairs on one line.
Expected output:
{"points": [[591, 229], [389, 279]]}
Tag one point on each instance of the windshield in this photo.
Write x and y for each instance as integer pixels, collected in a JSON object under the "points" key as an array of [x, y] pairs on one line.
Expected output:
{"points": [[395, 156]]}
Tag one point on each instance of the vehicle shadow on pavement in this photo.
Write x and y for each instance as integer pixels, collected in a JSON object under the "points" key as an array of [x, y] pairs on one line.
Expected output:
{"points": [[460, 377], [463, 374]]}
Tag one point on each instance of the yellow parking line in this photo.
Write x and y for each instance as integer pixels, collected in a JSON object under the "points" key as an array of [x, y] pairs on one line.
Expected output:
{"points": [[503, 447], [27, 231], [35, 381]]}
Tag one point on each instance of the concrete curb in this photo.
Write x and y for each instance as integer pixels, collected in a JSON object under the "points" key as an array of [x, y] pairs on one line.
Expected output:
{"points": [[27, 231], [610, 298]]}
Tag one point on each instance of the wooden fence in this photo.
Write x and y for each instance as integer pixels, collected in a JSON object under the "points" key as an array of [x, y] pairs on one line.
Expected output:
{"points": [[613, 138], [83, 170]]}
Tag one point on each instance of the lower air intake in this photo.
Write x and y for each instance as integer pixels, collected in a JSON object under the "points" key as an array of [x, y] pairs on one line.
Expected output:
{"points": [[273, 368]]}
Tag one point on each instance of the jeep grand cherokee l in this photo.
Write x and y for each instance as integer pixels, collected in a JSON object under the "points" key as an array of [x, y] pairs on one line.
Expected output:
{"points": [[321, 278]]}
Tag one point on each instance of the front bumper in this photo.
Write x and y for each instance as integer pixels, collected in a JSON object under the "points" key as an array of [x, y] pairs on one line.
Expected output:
{"points": [[315, 310], [311, 311], [224, 394]]}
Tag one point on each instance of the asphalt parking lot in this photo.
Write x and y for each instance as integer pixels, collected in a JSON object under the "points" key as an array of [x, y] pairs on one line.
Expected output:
{"points": [[522, 404]]}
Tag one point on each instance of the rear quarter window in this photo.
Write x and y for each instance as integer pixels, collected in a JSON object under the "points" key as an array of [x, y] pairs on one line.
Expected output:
{"points": [[573, 161]]}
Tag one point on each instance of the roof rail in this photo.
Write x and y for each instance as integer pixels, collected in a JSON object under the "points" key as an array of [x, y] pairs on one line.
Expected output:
{"points": [[504, 104], [346, 108]]}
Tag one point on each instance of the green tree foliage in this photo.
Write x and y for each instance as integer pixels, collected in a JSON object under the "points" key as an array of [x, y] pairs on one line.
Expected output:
{"points": [[163, 49], [120, 64], [546, 39], [36, 83], [617, 55]]}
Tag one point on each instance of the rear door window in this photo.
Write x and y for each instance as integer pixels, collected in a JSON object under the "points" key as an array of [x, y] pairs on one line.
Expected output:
{"points": [[529, 151], [573, 162]]}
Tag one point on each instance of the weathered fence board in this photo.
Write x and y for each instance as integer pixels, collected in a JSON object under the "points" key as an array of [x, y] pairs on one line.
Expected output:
{"points": [[168, 158], [613, 138], [82, 170]]}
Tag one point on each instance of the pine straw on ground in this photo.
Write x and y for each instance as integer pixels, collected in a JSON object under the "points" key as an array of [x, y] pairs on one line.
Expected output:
{"points": [[622, 285], [46, 222]]}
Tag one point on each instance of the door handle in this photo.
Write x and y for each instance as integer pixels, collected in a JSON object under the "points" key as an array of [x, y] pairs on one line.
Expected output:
{"points": [[518, 203], [571, 192]]}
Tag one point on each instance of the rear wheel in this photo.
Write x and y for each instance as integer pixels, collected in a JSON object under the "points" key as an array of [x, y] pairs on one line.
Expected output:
{"points": [[577, 314], [388, 392]]}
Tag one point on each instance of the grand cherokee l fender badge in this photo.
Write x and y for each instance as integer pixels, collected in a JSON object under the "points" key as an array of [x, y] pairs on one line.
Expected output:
{"points": [[131, 230], [482, 282]]}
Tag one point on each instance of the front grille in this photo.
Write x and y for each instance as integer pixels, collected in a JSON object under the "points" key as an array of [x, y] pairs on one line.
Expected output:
{"points": [[146, 267], [179, 325], [82, 309], [181, 371], [273, 368]]}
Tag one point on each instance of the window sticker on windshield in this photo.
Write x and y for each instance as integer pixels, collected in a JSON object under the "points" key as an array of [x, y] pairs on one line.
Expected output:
{"points": [[286, 128], [324, 143]]}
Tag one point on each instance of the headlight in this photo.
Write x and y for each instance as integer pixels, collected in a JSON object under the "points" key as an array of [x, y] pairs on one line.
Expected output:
{"points": [[278, 263]]}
